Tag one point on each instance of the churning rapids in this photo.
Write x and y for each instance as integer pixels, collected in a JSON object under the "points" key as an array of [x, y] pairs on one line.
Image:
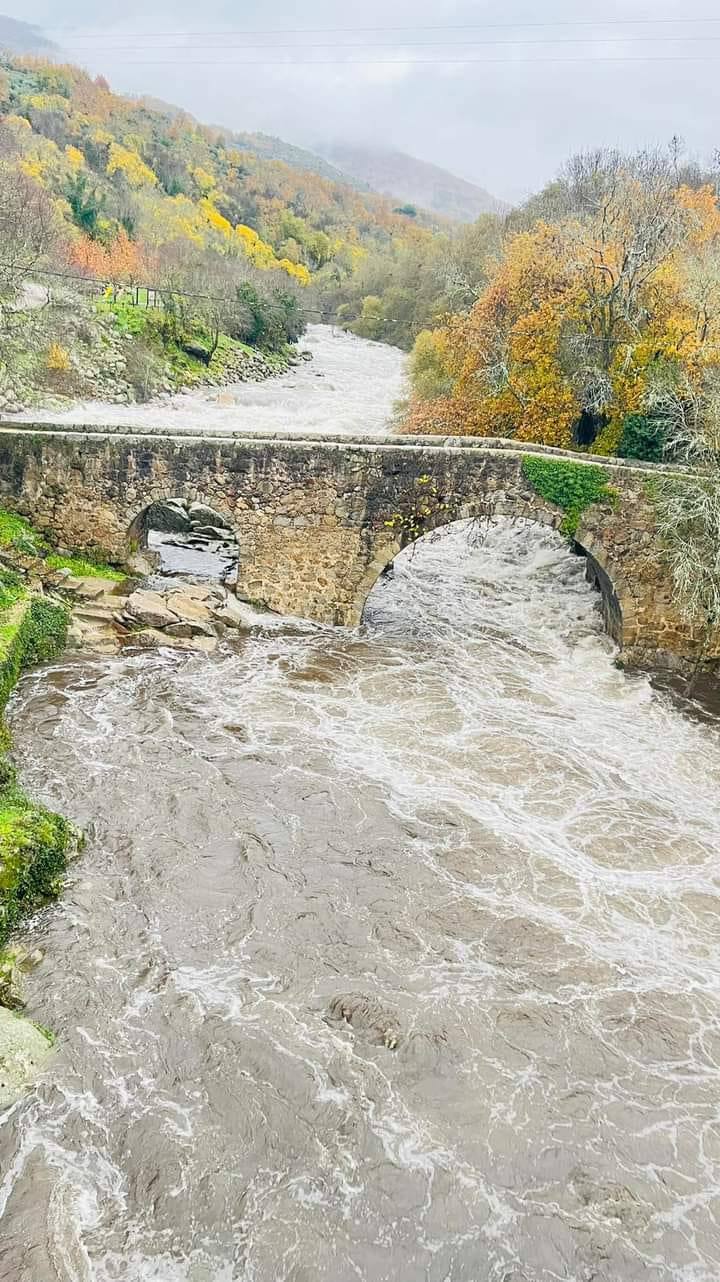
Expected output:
{"points": [[392, 955], [348, 387]]}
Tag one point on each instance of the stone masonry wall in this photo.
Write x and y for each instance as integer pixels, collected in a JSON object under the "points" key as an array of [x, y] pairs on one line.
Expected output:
{"points": [[318, 520]]}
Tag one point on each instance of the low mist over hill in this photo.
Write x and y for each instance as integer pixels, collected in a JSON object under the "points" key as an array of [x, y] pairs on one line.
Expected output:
{"points": [[396, 174], [23, 37], [271, 148]]}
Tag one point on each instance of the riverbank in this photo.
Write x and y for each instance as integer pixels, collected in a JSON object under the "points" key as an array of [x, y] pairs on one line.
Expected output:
{"points": [[347, 388], [35, 843], [118, 355]]}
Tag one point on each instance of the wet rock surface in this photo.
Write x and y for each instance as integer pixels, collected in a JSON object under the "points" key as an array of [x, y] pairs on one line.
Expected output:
{"points": [[24, 1054], [190, 616]]}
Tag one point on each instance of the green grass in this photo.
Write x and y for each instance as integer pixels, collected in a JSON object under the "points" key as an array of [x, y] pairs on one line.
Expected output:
{"points": [[18, 534], [85, 569], [11, 589]]}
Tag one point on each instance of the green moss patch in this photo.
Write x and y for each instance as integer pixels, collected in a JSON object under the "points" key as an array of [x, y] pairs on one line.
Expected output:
{"points": [[32, 631], [84, 569], [34, 847], [573, 487], [34, 843]]}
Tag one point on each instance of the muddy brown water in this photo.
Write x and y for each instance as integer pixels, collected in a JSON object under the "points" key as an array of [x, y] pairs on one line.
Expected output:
{"points": [[393, 955]]}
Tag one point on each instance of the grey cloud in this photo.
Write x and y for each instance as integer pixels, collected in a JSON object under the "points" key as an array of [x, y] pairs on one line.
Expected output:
{"points": [[507, 122]]}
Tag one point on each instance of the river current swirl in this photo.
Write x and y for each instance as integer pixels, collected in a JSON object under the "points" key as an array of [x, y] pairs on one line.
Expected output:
{"points": [[393, 955]]}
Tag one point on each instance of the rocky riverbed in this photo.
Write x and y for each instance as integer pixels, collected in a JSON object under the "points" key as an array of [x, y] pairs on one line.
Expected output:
{"points": [[185, 616]]}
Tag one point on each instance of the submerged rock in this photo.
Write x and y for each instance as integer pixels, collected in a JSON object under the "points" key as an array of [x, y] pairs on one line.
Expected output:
{"points": [[24, 1054], [366, 1015]]}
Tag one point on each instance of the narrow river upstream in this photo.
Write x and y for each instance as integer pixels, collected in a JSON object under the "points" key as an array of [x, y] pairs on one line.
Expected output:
{"points": [[348, 387], [392, 955]]}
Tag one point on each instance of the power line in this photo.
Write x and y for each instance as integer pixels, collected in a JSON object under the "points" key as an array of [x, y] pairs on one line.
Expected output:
{"points": [[417, 62], [105, 283], [172, 293], [100, 33], [410, 44]]}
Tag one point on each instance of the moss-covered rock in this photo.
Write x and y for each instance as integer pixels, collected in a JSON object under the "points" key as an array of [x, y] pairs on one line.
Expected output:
{"points": [[34, 843]]}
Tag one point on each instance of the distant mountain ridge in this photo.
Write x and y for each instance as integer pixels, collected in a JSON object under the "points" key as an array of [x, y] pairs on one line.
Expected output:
{"points": [[24, 37], [271, 148], [405, 178]]}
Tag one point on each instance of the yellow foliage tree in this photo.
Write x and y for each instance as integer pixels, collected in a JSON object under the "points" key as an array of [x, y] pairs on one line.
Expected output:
{"points": [[123, 161]]}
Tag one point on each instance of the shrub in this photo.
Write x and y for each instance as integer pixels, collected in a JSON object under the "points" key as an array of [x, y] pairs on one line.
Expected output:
{"points": [[643, 437], [58, 359]]}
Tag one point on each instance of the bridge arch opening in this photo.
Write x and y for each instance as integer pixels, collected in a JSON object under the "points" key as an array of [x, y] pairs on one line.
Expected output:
{"points": [[186, 537], [483, 558]]}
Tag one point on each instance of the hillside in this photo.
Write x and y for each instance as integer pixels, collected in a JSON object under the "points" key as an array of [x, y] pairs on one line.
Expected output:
{"points": [[271, 148], [130, 169], [408, 179], [23, 37], [224, 246]]}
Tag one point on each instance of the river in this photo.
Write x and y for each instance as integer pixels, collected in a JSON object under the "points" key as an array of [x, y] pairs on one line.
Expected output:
{"points": [[330, 393], [392, 956]]}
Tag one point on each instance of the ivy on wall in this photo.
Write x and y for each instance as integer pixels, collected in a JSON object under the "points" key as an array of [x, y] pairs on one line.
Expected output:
{"points": [[573, 487]]}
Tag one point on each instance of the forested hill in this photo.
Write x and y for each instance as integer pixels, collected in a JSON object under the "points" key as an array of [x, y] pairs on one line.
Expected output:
{"points": [[408, 179], [23, 37], [271, 148], [125, 171]]}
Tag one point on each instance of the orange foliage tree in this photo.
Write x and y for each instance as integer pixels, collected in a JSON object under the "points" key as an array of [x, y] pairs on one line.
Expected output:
{"points": [[584, 316], [124, 261]]}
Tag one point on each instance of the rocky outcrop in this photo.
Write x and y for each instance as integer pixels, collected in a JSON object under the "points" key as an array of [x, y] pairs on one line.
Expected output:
{"points": [[186, 616]]}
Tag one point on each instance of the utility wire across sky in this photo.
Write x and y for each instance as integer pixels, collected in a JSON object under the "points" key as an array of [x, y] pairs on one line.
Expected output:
{"points": [[103, 34]]}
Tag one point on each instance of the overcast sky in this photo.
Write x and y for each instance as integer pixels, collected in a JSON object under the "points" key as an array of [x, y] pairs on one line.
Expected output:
{"points": [[503, 105]]}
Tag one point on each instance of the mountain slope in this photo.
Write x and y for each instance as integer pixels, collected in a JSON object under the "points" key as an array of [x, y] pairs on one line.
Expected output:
{"points": [[139, 190], [405, 178], [271, 148], [23, 37]]}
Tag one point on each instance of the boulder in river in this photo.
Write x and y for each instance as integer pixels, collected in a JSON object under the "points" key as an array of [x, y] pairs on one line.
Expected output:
{"points": [[234, 613], [189, 628], [168, 516], [24, 1054], [212, 532], [152, 637], [187, 608]]}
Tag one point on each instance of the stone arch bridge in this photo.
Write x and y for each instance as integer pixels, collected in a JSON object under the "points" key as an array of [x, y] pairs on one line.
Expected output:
{"points": [[318, 519]]}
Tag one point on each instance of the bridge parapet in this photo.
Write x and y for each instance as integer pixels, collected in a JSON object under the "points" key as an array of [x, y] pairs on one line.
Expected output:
{"points": [[318, 519]]}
